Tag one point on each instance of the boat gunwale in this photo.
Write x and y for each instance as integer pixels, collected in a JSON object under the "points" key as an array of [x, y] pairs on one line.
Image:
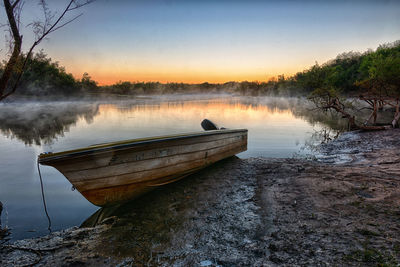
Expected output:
{"points": [[45, 158]]}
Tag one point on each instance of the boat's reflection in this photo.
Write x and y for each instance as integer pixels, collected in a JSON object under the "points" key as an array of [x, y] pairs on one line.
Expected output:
{"points": [[150, 223]]}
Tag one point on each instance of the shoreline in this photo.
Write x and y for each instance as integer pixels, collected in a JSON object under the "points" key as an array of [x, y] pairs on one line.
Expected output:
{"points": [[343, 209]]}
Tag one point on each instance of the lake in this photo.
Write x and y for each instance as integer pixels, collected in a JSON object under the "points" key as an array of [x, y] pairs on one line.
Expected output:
{"points": [[278, 127]]}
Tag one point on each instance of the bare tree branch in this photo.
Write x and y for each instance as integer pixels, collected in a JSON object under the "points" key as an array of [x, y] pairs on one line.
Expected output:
{"points": [[41, 29], [16, 3], [68, 22]]}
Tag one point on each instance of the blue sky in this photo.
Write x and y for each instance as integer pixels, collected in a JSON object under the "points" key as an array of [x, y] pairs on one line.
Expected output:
{"points": [[215, 41]]}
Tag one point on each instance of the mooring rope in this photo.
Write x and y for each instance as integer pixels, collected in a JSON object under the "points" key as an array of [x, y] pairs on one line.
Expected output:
{"points": [[43, 198]]}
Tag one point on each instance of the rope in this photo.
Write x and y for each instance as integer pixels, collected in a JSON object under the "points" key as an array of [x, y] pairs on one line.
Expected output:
{"points": [[43, 198]]}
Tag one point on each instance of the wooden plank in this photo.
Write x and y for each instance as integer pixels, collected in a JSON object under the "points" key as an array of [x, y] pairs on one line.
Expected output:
{"points": [[179, 154], [109, 195], [151, 175], [102, 158], [182, 139], [117, 194], [118, 157]]}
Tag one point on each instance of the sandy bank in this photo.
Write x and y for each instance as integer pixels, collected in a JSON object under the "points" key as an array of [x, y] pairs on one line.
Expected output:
{"points": [[343, 209]]}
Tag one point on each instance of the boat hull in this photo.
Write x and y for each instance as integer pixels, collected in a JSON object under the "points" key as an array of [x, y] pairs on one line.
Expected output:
{"points": [[113, 173]]}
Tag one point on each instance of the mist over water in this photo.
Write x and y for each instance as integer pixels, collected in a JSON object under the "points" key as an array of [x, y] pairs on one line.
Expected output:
{"points": [[278, 127]]}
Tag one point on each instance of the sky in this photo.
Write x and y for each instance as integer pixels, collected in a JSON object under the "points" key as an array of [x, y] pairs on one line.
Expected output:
{"points": [[215, 41]]}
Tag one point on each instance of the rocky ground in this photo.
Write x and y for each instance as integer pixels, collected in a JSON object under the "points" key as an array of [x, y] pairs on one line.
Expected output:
{"points": [[342, 209]]}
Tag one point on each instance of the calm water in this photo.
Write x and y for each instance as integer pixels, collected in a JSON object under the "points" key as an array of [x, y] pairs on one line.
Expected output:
{"points": [[277, 128]]}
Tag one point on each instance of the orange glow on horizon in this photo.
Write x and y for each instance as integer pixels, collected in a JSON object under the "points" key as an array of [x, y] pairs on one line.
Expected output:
{"points": [[214, 68], [104, 79], [229, 111]]}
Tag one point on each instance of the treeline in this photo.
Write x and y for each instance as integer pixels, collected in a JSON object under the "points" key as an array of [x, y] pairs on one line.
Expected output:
{"points": [[43, 77], [349, 73], [371, 72], [148, 88]]}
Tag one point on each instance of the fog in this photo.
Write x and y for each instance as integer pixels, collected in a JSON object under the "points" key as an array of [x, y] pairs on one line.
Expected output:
{"points": [[41, 122]]}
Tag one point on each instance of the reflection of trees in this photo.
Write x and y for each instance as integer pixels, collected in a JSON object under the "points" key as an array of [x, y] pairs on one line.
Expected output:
{"points": [[322, 136], [42, 122], [300, 108], [336, 120], [328, 119], [305, 109], [36, 122]]}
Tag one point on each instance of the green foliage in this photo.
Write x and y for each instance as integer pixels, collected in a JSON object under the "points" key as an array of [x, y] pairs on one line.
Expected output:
{"points": [[44, 77], [382, 72], [373, 72], [87, 84]]}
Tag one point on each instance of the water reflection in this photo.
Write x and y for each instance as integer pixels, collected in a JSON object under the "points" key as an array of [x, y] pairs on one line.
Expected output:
{"points": [[37, 123], [42, 123], [278, 127], [323, 135]]}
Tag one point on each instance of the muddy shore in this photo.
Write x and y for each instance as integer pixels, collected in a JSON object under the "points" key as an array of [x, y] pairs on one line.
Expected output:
{"points": [[342, 208]]}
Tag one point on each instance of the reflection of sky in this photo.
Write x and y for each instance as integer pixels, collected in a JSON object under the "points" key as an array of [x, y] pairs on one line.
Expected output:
{"points": [[195, 41], [273, 132]]}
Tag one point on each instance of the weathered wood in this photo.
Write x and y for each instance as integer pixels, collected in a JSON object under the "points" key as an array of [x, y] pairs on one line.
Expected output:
{"points": [[109, 195], [115, 172], [151, 173], [110, 148], [142, 165], [375, 128], [369, 119], [143, 152]]}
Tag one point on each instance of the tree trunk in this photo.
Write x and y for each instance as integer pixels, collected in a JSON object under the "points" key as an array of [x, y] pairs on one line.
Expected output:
{"points": [[396, 116], [375, 113], [11, 64], [335, 104]]}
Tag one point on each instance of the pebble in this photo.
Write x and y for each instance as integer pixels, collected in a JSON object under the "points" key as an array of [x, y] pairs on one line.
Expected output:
{"points": [[205, 263]]}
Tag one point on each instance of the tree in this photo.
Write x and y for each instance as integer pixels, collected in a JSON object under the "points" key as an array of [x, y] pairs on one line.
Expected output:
{"points": [[329, 99], [17, 63], [383, 78], [87, 83]]}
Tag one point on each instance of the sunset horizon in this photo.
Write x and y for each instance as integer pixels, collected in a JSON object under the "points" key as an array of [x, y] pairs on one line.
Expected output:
{"points": [[200, 133], [141, 75], [212, 41]]}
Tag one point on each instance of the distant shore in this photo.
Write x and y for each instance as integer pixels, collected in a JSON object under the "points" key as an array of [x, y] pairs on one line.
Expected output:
{"points": [[341, 209]]}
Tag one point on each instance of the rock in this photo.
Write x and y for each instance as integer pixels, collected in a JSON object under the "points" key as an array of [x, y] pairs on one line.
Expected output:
{"points": [[206, 263], [364, 194]]}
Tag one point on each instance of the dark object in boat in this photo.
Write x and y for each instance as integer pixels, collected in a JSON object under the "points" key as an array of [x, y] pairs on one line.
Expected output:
{"points": [[208, 125], [111, 173]]}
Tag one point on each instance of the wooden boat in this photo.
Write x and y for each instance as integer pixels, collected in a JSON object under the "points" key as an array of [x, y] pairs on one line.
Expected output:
{"points": [[115, 172]]}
